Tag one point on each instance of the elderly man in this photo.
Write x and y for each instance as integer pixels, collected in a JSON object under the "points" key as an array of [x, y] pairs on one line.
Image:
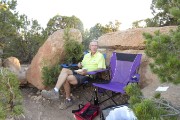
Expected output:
{"points": [[92, 61]]}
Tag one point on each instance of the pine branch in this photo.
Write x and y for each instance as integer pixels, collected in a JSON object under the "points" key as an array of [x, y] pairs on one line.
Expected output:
{"points": [[168, 107]]}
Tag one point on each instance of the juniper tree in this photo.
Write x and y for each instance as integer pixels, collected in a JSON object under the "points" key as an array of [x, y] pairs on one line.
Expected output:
{"points": [[10, 95], [165, 50]]}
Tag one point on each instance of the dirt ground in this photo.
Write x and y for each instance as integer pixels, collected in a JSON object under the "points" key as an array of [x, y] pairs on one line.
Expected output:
{"points": [[38, 108], [172, 94]]}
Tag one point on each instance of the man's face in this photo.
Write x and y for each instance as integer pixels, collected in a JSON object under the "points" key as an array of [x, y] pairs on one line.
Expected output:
{"points": [[93, 47]]}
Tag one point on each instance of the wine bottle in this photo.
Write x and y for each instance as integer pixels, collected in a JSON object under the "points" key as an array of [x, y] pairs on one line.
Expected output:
{"points": [[96, 102]]}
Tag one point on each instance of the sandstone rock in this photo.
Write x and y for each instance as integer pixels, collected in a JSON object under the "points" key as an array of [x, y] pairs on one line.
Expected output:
{"points": [[129, 39], [1, 51], [13, 64], [49, 54], [0, 62], [22, 77]]}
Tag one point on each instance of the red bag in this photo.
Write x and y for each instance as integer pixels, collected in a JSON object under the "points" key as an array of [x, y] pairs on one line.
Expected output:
{"points": [[86, 112]]}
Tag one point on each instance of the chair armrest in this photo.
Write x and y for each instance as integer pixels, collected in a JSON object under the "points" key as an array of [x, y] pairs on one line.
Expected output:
{"points": [[135, 78], [98, 71], [68, 65]]}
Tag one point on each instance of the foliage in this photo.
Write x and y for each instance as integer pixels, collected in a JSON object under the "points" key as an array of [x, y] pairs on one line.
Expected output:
{"points": [[50, 75], [163, 9], [134, 92], [98, 30], [19, 37], [136, 24], [8, 22], [62, 22], [73, 49], [165, 51], [28, 42], [147, 109], [10, 95], [166, 13]]}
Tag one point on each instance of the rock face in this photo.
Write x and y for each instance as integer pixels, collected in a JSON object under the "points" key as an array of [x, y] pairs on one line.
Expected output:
{"points": [[129, 39], [13, 64], [49, 54]]}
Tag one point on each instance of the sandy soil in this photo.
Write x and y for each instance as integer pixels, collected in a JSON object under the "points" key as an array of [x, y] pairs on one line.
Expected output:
{"points": [[38, 108]]}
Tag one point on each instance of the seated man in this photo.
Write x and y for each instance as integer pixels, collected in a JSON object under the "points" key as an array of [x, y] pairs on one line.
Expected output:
{"points": [[92, 61]]}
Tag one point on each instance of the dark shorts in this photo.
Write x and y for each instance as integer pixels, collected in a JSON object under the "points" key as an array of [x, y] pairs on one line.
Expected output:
{"points": [[81, 78]]}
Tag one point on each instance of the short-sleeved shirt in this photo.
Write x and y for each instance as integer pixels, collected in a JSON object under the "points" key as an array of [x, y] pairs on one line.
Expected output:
{"points": [[93, 62]]}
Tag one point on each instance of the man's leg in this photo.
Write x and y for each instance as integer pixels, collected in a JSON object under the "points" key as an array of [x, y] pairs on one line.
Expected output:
{"points": [[62, 77], [71, 79], [54, 93]]}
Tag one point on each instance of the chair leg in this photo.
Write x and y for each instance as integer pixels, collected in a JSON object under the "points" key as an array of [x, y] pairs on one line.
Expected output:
{"points": [[110, 97], [103, 91]]}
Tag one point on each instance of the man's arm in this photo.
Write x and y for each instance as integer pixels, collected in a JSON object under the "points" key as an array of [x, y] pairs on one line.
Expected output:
{"points": [[97, 69]]}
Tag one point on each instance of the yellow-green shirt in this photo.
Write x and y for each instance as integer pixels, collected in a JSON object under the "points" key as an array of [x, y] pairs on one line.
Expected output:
{"points": [[93, 62]]}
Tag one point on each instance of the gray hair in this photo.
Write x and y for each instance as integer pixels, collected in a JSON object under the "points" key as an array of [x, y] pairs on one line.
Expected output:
{"points": [[94, 40]]}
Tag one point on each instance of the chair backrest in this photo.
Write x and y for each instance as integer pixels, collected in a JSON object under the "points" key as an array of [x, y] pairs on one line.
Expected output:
{"points": [[123, 66]]}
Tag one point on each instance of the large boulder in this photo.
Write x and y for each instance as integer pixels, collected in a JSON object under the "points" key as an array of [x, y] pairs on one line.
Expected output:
{"points": [[129, 39], [49, 54]]}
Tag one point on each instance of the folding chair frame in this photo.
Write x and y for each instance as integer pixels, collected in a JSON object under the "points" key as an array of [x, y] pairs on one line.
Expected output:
{"points": [[118, 80]]}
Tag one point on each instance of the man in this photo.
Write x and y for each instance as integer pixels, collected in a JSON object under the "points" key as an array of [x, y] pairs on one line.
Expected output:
{"points": [[92, 61]]}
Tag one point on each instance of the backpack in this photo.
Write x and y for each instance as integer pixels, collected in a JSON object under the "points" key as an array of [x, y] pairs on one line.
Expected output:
{"points": [[86, 112]]}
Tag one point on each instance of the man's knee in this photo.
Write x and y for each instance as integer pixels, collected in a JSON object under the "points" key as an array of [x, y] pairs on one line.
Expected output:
{"points": [[64, 70], [71, 79]]}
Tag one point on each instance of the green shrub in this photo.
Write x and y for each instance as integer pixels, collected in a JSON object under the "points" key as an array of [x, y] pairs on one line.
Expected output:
{"points": [[164, 50], [148, 109], [157, 95], [134, 92], [50, 75], [10, 95], [73, 49]]}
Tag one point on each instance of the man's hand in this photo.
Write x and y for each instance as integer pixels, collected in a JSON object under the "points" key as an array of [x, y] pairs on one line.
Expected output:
{"points": [[81, 71], [79, 65]]}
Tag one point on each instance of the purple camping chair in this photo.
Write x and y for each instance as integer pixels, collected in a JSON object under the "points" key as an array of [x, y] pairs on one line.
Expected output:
{"points": [[123, 70]]}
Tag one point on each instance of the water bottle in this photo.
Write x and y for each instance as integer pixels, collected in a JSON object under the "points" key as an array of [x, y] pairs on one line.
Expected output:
{"points": [[96, 102]]}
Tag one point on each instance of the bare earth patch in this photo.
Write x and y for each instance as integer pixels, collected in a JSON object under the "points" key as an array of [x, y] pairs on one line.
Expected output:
{"points": [[38, 108]]}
